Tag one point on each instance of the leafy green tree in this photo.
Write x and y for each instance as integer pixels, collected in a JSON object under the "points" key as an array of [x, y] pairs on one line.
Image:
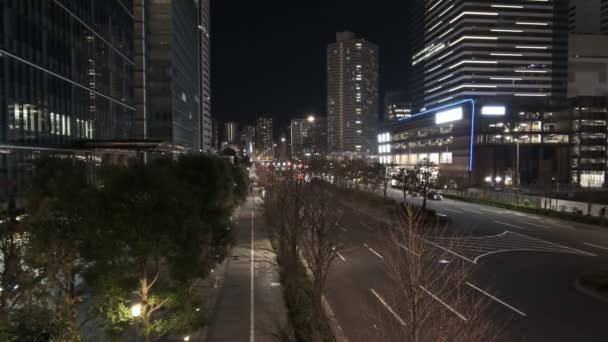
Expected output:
{"points": [[148, 243]]}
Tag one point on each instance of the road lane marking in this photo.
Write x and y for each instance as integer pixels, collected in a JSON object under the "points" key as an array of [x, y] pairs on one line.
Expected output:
{"points": [[251, 301], [510, 225], [596, 246], [534, 224], [474, 211], [373, 251], [556, 244], [443, 303], [340, 211], [381, 300], [407, 249], [344, 229], [366, 226], [341, 257], [447, 250], [496, 299], [562, 225], [454, 211]]}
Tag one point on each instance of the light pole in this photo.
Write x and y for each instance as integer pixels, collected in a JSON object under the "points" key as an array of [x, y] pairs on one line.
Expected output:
{"points": [[518, 181], [136, 312]]}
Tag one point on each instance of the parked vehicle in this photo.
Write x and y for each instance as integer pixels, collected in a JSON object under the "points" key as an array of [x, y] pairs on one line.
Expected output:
{"points": [[435, 196]]}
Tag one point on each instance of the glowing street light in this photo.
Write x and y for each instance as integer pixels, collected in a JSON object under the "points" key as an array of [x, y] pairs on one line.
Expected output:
{"points": [[187, 338], [488, 179], [311, 118], [497, 179], [136, 310], [283, 139]]}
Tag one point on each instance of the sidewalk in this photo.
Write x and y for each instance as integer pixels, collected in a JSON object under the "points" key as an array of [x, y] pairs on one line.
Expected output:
{"points": [[249, 305]]}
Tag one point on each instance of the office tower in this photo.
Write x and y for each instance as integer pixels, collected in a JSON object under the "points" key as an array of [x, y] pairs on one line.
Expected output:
{"points": [[206, 126], [396, 105], [66, 79], [588, 16], [588, 98], [263, 136], [308, 137], [231, 132], [490, 102], [172, 85], [496, 50], [215, 135], [352, 94], [299, 135], [247, 139]]}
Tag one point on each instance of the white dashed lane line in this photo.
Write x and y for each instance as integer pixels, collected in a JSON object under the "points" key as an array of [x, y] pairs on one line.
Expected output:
{"points": [[509, 225], [596, 246], [341, 257], [373, 251], [454, 211], [534, 224], [473, 211], [496, 299]]}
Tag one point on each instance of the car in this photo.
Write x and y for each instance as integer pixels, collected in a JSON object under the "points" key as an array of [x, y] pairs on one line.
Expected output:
{"points": [[434, 196], [414, 194]]}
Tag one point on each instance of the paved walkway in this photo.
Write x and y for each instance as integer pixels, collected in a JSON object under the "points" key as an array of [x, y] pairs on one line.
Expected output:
{"points": [[249, 304]]}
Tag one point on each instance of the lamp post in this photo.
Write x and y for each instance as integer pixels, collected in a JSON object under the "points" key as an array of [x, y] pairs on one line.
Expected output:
{"points": [[136, 312], [518, 181]]}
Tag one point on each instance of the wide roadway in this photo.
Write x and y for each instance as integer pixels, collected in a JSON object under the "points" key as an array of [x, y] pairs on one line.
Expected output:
{"points": [[528, 266]]}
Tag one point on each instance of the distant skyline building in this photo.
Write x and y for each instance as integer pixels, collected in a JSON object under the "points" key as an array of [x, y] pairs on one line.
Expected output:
{"points": [[396, 105], [308, 137], [247, 138], [263, 136], [231, 132], [352, 94]]}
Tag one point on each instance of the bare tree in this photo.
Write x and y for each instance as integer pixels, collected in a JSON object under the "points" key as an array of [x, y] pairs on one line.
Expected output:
{"points": [[319, 246], [406, 178], [426, 177], [427, 289]]}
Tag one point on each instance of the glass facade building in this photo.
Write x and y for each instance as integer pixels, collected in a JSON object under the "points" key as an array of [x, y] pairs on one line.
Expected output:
{"points": [[65, 78]]}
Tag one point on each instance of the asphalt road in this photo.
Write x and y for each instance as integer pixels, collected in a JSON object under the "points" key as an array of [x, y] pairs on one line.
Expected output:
{"points": [[529, 262]]}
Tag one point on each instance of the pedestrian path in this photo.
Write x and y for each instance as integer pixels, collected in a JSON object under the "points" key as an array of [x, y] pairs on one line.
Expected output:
{"points": [[250, 305]]}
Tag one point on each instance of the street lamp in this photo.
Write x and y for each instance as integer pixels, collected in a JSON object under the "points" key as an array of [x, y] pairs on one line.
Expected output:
{"points": [[187, 338], [311, 118], [136, 312]]}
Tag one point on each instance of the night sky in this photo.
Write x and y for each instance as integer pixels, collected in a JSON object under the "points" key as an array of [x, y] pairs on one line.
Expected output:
{"points": [[268, 56]]}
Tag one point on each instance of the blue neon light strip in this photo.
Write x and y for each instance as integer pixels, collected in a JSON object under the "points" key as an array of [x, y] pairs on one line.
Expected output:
{"points": [[448, 106]]}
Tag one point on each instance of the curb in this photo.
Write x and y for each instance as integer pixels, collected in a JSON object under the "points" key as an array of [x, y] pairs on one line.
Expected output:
{"points": [[589, 292]]}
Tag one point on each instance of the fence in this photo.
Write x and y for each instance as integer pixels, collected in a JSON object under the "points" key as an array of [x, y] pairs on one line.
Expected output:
{"points": [[592, 209]]}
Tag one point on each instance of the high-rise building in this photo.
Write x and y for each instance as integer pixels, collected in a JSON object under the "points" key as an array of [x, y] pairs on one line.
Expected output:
{"points": [[308, 137], [169, 95], [352, 94], [263, 136], [490, 102], [231, 132], [396, 105], [588, 98], [588, 16], [67, 78], [490, 49], [206, 126], [247, 139]]}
